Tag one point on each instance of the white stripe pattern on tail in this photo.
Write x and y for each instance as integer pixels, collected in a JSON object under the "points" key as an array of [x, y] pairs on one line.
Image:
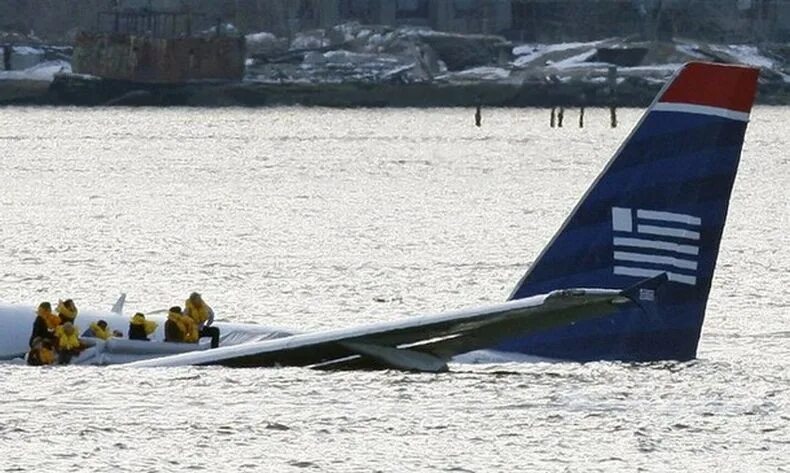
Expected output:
{"points": [[642, 245]]}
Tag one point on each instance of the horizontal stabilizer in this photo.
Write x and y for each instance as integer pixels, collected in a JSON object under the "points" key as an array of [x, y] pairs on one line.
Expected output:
{"points": [[645, 294]]}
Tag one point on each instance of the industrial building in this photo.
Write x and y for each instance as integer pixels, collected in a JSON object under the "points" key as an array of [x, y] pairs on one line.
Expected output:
{"points": [[527, 20]]}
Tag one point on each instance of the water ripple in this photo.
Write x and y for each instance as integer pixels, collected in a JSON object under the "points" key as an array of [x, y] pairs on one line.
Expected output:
{"points": [[313, 218]]}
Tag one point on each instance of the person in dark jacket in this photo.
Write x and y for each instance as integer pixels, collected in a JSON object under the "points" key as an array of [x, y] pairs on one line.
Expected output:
{"points": [[139, 328], [45, 323]]}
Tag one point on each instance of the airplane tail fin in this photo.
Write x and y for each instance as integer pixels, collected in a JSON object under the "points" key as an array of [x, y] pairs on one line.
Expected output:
{"points": [[659, 206]]}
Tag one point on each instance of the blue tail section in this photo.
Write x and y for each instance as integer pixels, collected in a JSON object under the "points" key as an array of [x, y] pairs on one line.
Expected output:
{"points": [[658, 207]]}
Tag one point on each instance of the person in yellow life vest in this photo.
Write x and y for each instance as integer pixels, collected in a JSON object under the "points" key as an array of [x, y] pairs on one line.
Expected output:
{"points": [[67, 311], [179, 327], [191, 334], [140, 328], [47, 354], [98, 330], [174, 328], [203, 316], [41, 352], [45, 323], [69, 344]]}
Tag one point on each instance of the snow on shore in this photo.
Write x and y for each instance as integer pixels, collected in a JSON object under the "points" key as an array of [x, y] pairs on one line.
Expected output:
{"points": [[44, 71], [374, 53]]}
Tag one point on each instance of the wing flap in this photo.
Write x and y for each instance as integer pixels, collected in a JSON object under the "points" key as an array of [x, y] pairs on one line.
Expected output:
{"points": [[402, 359]]}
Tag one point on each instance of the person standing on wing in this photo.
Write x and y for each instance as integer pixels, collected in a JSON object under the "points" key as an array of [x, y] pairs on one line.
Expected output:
{"points": [[203, 315]]}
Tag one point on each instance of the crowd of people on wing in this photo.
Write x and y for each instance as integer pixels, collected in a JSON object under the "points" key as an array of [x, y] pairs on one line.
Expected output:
{"points": [[55, 336]]}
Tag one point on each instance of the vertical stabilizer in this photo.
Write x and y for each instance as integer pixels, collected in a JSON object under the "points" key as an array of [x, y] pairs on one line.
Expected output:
{"points": [[658, 207]]}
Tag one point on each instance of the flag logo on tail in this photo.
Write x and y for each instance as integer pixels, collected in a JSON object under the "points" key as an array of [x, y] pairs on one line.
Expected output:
{"points": [[647, 243]]}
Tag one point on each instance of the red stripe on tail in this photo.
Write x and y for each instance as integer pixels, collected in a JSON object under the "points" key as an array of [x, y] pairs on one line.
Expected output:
{"points": [[714, 85]]}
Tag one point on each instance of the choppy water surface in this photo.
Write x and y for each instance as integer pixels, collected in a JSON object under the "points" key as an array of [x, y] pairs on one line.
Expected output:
{"points": [[313, 218]]}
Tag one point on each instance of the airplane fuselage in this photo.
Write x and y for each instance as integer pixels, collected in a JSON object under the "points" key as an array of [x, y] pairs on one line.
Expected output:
{"points": [[16, 324]]}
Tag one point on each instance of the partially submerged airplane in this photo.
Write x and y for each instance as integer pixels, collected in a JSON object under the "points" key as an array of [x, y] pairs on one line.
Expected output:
{"points": [[626, 277]]}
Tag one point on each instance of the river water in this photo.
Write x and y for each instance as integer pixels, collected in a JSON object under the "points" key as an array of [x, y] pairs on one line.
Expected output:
{"points": [[314, 218]]}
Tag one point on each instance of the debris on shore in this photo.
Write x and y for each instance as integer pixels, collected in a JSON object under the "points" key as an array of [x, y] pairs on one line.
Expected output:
{"points": [[374, 65]]}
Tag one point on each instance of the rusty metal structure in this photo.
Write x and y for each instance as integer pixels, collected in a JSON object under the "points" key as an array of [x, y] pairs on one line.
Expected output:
{"points": [[157, 47]]}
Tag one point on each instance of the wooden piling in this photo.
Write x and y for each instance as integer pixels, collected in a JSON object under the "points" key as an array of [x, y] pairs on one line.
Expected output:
{"points": [[611, 79], [7, 57]]}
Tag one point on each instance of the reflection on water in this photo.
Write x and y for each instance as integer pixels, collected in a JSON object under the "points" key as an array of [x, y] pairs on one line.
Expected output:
{"points": [[313, 218]]}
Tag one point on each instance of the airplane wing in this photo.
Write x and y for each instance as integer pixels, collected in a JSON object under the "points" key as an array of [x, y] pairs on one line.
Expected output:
{"points": [[422, 343]]}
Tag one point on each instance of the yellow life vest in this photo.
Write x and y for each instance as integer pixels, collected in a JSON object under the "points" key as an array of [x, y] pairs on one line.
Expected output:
{"points": [[65, 341], [65, 312], [175, 317], [46, 356], [185, 325], [99, 332], [150, 325], [191, 329], [198, 314]]}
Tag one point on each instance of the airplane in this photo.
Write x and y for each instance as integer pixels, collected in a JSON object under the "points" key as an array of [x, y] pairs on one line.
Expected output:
{"points": [[626, 277]]}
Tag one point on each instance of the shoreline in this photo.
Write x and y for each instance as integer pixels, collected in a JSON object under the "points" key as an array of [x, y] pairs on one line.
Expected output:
{"points": [[75, 90]]}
